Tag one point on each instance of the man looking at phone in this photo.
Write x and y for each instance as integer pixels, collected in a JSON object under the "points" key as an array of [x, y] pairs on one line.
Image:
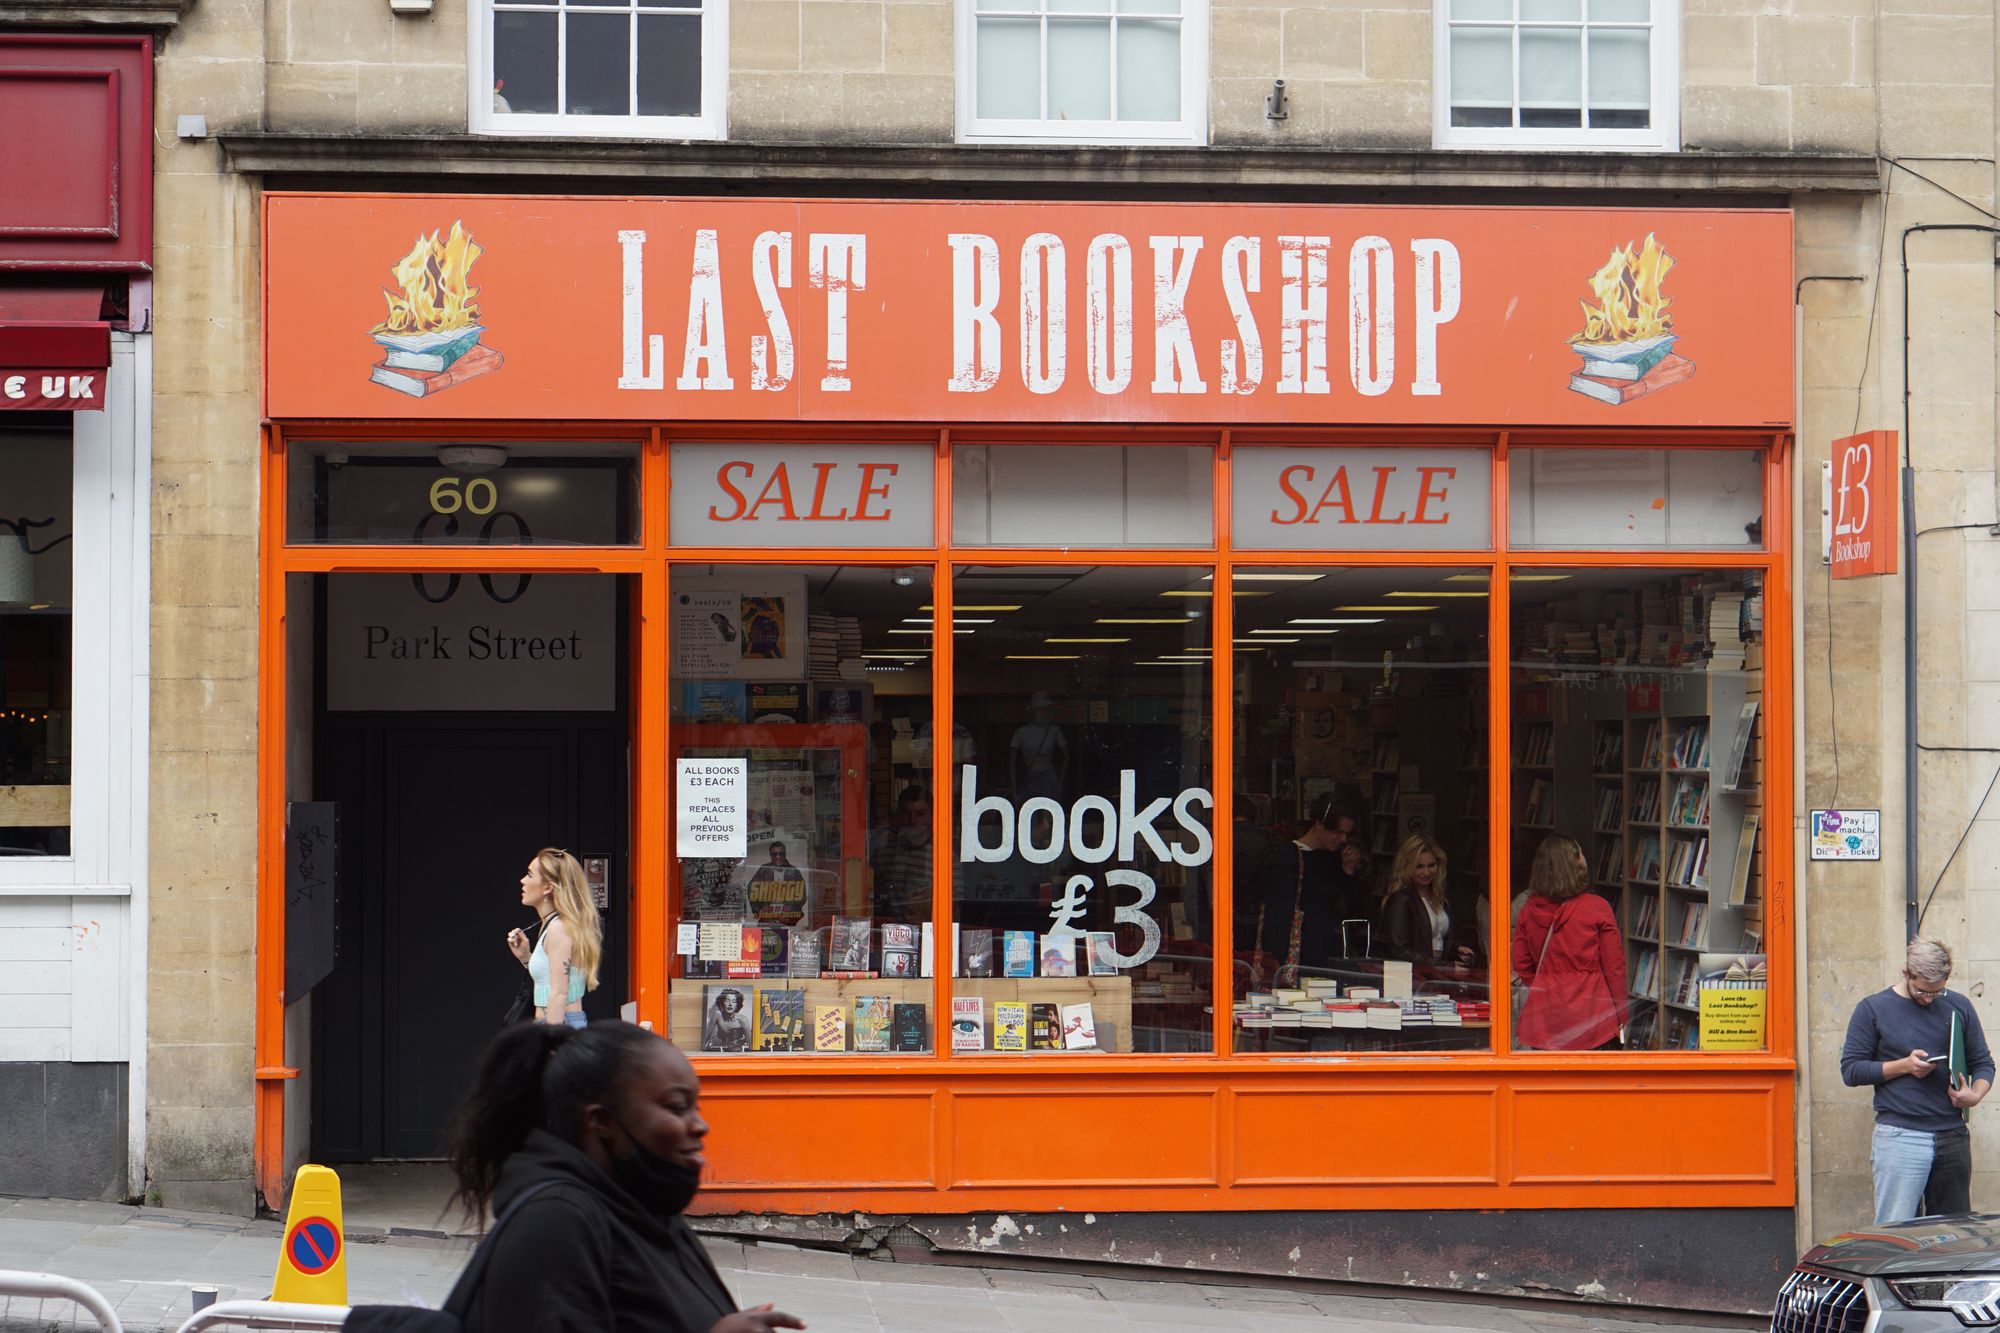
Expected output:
{"points": [[1898, 1041]]}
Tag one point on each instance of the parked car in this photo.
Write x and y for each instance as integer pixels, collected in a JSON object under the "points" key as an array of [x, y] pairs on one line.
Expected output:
{"points": [[1929, 1275]]}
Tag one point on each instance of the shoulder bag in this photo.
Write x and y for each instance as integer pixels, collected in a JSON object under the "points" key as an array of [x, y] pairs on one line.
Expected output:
{"points": [[524, 995], [451, 1318]]}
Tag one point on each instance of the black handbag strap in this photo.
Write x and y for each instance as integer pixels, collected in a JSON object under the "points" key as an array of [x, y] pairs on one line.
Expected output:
{"points": [[460, 1299]]}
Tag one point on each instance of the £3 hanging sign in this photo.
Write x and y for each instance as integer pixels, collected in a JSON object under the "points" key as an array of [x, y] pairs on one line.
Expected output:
{"points": [[1861, 503]]}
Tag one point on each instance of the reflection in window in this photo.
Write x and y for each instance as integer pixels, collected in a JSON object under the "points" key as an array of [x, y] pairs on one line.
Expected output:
{"points": [[36, 555], [1636, 807], [801, 702], [1084, 847], [1679, 498], [1360, 833], [1063, 495]]}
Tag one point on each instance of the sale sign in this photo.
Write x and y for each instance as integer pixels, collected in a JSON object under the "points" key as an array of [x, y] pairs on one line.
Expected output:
{"points": [[1862, 514], [799, 310]]}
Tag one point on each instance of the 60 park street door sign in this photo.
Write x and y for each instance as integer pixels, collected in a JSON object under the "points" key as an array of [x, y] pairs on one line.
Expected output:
{"points": [[795, 310]]}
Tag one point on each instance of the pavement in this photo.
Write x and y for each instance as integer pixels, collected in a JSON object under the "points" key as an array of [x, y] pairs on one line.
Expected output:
{"points": [[145, 1261]]}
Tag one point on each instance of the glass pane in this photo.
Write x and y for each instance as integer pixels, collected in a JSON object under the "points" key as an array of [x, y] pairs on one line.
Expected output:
{"points": [[1083, 810], [1062, 494], [1621, 11], [1568, 498], [598, 65], [524, 63], [37, 464], [1551, 11], [801, 734], [670, 4], [1079, 6], [1361, 498], [1482, 68], [794, 495], [1149, 6], [516, 494], [1360, 824], [1635, 806], [1149, 70], [1482, 9], [1079, 69], [1620, 68], [1551, 67], [670, 65], [1010, 64]]}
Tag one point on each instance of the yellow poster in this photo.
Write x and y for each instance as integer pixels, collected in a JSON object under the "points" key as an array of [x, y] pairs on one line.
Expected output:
{"points": [[1732, 1020]]}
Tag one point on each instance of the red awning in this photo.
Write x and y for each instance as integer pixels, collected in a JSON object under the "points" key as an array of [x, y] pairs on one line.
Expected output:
{"points": [[53, 348]]}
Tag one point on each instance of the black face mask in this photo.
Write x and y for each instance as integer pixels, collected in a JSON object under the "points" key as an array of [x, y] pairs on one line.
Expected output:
{"points": [[662, 1186]]}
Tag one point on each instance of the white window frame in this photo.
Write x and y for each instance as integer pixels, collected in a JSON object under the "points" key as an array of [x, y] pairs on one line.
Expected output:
{"points": [[711, 123], [1191, 129], [109, 625], [1663, 135]]}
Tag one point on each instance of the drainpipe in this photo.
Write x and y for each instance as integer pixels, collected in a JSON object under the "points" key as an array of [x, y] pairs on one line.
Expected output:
{"points": [[1910, 753]]}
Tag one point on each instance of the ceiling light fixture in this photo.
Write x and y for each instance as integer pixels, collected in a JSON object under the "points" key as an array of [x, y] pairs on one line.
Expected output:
{"points": [[1392, 607]]}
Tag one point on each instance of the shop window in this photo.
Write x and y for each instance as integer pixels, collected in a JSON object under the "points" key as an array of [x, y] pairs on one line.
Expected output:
{"points": [[600, 67], [516, 493], [1090, 71], [1361, 810], [1705, 499], [1636, 804], [1063, 495], [1570, 74], [37, 461], [1083, 855], [804, 766]]}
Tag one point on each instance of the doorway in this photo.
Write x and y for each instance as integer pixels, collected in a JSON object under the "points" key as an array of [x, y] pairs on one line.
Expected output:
{"points": [[440, 808]]}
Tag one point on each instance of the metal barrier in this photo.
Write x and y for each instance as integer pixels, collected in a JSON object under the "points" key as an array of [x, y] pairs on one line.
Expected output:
{"points": [[45, 1287], [266, 1314]]}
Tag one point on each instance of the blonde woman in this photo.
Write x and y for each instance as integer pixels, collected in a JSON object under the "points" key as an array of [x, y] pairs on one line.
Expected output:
{"points": [[567, 941], [1415, 918]]}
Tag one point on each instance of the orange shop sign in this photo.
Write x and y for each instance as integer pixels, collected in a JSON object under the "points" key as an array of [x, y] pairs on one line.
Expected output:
{"points": [[1861, 504], [809, 310]]}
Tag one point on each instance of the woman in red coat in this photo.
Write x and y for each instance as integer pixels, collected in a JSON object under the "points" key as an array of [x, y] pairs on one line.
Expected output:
{"points": [[1568, 953]]}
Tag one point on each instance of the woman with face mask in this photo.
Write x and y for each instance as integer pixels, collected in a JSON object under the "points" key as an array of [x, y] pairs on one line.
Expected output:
{"points": [[586, 1144]]}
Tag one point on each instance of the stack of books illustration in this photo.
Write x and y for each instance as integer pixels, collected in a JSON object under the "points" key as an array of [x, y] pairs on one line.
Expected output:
{"points": [[1619, 372], [421, 364]]}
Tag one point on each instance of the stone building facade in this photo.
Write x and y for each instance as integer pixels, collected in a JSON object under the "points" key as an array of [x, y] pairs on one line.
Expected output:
{"points": [[1864, 119]]}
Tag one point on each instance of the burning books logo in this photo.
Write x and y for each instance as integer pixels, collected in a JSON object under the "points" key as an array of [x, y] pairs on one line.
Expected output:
{"points": [[430, 340], [1628, 337]]}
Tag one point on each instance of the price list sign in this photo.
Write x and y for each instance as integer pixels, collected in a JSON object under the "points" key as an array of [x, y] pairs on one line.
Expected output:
{"points": [[711, 807]]}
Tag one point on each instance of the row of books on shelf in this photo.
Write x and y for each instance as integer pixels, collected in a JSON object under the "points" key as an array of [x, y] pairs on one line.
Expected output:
{"points": [[854, 947], [1694, 926], [1646, 801], [1678, 972], [1690, 747], [1649, 747], [1319, 1003], [1610, 863], [1687, 862], [1538, 743], [1387, 754], [1646, 919], [1610, 807], [1539, 807], [1608, 748], [1689, 807], [780, 1021]]}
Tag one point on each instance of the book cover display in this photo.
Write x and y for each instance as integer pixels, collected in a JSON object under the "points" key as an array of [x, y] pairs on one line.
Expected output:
{"points": [[1059, 955], [847, 947], [781, 1020], [968, 1023], [1010, 1026], [978, 951], [725, 1023], [909, 1028], [900, 947], [1020, 953], [871, 1022], [829, 1028], [1045, 1027], [1079, 1028]]}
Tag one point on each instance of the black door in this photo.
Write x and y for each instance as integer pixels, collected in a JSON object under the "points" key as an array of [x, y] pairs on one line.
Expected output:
{"points": [[440, 814]]}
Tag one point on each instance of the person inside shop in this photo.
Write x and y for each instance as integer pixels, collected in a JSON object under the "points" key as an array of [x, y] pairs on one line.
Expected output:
{"points": [[1303, 897], [1569, 955], [1899, 1043], [900, 856], [587, 1144], [1038, 755], [1417, 925]]}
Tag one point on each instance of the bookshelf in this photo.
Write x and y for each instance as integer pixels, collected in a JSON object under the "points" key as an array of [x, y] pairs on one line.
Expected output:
{"points": [[1385, 775]]}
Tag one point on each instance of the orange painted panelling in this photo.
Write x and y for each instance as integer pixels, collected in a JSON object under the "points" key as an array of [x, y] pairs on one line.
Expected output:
{"points": [[1366, 1136], [789, 310], [1655, 1130], [780, 1138], [1083, 1136]]}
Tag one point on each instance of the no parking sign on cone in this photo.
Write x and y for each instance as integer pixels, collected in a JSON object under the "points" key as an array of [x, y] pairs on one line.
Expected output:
{"points": [[312, 1263]]}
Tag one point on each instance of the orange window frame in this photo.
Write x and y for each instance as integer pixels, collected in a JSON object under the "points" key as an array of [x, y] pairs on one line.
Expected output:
{"points": [[650, 562]]}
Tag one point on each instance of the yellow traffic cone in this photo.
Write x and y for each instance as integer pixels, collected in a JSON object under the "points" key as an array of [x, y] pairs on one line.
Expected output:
{"points": [[312, 1262]]}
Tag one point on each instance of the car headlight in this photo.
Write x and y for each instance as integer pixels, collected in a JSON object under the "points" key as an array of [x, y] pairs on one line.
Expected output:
{"points": [[1975, 1300]]}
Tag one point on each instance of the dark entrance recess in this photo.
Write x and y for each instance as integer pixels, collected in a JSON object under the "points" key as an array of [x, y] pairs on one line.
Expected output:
{"points": [[440, 812]]}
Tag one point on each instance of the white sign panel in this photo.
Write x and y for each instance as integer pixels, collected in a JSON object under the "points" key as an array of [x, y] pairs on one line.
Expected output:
{"points": [[1366, 499], [1846, 835], [748, 626], [711, 808], [459, 642], [801, 495]]}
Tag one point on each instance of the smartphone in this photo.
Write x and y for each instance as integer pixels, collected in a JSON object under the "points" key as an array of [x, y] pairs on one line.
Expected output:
{"points": [[1936, 1059]]}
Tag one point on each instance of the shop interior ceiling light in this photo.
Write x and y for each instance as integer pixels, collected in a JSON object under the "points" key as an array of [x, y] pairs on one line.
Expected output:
{"points": [[1044, 657], [1435, 592], [472, 457], [1142, 620], [1242, 577], [1106, 640], [1385, 608], [1335, 620], [956, 609]]}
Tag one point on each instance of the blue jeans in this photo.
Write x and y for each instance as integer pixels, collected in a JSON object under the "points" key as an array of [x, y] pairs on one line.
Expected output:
{"points": [[575, 1018], [1902, 1161]]}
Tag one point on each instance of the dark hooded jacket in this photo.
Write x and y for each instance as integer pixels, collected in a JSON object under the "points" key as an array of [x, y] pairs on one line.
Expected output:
{"points": [[583, 1257]]}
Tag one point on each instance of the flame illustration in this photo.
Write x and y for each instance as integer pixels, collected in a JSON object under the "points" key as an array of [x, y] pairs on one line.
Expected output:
{"points": [[1629, 304], [436, 297]]}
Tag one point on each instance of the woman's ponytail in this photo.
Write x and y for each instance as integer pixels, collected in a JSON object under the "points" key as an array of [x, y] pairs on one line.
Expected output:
{"points": [[495, 1118]]}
